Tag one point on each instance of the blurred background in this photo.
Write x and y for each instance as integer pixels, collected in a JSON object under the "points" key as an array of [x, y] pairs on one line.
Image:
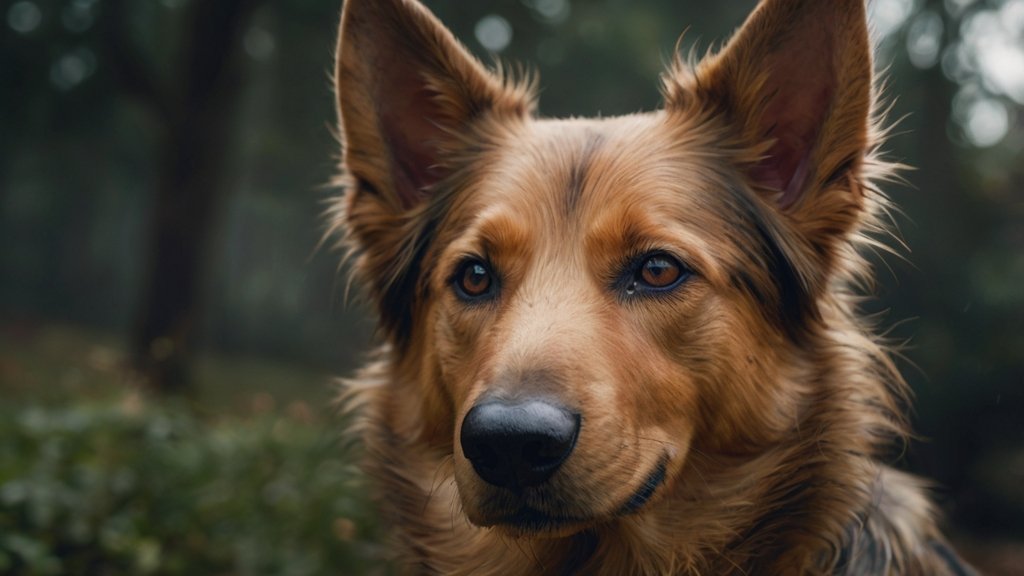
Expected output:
{"points": [[170, 323]]}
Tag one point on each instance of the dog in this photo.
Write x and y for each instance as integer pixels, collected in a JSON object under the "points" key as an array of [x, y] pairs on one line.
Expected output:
{"points": [[627, 345]]}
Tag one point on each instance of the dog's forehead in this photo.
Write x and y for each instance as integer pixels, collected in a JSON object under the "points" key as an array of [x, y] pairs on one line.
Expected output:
{"points": [[559, 171]]}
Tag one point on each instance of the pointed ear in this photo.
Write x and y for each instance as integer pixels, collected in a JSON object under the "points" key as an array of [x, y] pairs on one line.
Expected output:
{"points": [[796, 83], [408, 97], [406, 88]]}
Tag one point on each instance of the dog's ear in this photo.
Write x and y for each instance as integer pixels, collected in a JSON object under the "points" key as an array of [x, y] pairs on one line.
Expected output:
{"points": [[408, 96], [406, 90], [795, 82]]}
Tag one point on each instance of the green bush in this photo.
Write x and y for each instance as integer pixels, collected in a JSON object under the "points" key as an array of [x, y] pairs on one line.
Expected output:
{"points": [[127, 488]]}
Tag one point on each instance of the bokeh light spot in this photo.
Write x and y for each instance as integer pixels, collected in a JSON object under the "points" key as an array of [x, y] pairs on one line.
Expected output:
{"points": [[78, 16], [493, 32], [924, 39], [550, 11], [987, 122], [259, 44], [886, 16], [72, 68], [24, 17]]}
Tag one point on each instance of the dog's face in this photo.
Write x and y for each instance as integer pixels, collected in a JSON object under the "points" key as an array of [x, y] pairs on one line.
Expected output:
{"points": [[579, 305], [593, 266]]}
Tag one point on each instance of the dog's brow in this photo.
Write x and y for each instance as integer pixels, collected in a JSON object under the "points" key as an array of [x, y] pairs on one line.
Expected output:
{"points": [[502, 233]]}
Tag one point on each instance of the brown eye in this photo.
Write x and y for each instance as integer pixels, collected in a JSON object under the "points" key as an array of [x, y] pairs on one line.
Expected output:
{"points": [[474, 280], [657, 272], [660, 272]]}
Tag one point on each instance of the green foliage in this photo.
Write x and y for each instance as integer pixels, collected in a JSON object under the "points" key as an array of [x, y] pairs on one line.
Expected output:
{"points": [[129, 488]]}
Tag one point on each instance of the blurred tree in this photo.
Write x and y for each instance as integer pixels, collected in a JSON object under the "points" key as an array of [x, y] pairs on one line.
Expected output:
{"points": [[957, 67], [193, 105]]}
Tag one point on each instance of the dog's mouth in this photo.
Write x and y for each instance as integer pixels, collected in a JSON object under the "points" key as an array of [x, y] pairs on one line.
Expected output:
{"points": [[528, 520], [531, 520], [647, 489]]}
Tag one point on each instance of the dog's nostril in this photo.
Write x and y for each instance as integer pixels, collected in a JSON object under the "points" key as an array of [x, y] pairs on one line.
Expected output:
{"points": [[485, 455], [533, 452], [518, 444], [544, 452]]}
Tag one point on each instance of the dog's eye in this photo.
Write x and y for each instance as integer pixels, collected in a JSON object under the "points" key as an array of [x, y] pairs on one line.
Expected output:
{"points": [[660, 271], [474, 280], [656, 272]]}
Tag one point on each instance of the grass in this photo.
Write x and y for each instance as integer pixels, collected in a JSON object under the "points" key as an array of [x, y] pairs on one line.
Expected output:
{"points": [[96, 478]]}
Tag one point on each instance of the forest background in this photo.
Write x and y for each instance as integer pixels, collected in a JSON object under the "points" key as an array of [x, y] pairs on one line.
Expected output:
{"points": [[163, 170]]}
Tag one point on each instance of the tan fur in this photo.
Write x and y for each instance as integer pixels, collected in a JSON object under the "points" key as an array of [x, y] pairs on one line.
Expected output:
{"points": [[767, 400]]}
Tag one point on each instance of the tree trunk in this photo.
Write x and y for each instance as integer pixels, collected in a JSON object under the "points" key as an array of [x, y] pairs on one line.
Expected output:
{"points": [[196, 141]]}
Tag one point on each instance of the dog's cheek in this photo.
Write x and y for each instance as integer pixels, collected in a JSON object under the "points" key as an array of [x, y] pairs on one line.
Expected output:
{"points": [[750, 398], [458, 353], [704, 370]]}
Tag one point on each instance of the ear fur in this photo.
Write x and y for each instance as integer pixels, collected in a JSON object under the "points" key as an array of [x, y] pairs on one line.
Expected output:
{"points": [[795, 85], [408, 94]]}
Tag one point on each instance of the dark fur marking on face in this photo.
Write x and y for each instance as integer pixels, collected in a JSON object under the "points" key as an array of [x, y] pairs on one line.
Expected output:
{"points": [[402, 292], [578, 173], [397, 305], [790, 306], [408, 286]]}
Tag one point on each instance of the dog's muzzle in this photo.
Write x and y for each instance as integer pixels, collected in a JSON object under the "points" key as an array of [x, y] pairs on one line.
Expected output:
{"points": [[518, 444]]}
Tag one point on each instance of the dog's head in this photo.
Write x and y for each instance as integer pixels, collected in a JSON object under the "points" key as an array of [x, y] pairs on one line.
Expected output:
{"points": [[578, 306]]}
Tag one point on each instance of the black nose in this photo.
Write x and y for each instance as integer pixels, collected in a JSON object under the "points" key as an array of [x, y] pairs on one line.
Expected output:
{"points": [[518, 444]]}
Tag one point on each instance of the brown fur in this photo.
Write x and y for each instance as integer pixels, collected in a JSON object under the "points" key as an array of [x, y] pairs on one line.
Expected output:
{"points": [[754, 384]]}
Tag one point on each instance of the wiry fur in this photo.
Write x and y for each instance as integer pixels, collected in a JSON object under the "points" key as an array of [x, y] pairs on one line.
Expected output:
{"points": [[757, 387]]}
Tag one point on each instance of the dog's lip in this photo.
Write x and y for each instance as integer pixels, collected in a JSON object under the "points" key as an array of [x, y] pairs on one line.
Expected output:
{"points": [[530, 520], [647, 489]]}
